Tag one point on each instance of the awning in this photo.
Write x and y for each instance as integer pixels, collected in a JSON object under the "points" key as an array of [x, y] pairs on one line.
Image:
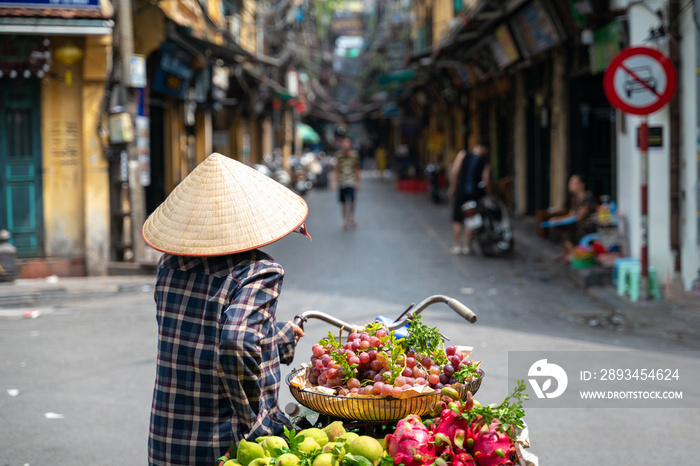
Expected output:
{"points": [[56, 26], [307, 134], [230, 51]]}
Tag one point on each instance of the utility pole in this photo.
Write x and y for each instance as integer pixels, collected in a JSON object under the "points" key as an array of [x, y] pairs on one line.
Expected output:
{"points": [[137, 213]]}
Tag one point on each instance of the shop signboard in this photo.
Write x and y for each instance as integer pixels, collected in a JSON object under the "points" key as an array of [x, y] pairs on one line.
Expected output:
{"points": [[534, 29], [173, 73], [143, 148], [347, 24], [503, 48], [72, 4], [606, 44], [137, 71], [482, 64]]}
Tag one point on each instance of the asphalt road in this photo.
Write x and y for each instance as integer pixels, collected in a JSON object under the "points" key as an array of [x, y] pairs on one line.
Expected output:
{"points": [[76, 383]]}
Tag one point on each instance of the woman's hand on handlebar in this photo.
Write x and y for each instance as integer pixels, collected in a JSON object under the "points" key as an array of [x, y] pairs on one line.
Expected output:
{"points": [[298, 332]]}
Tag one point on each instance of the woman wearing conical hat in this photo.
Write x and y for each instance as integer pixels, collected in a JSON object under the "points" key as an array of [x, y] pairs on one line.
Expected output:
{"points": [[219, 345]]}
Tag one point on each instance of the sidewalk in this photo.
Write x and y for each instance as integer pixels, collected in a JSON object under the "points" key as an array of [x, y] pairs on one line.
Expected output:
{"points": [[676, 316], [40, 291]]}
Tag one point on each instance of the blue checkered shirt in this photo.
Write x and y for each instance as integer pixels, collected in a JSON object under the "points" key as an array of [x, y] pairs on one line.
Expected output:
{"points": [[219, 351]]}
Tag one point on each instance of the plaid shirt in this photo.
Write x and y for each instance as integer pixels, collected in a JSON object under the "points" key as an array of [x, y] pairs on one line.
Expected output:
{"points": [[219, 350]]}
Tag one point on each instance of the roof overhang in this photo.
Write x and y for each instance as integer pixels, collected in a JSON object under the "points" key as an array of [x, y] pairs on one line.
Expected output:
{"points": [[56, 26]]}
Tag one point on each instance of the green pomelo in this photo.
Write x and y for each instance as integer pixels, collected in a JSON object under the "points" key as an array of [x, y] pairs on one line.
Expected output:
{"points": [[317, 434], [330, 446], [272, 442], [334, 430], [325, 459], [287, 460], [248, 451], [382, 442], [348, 438], [308, 445], [367, 446], [260, 462]]}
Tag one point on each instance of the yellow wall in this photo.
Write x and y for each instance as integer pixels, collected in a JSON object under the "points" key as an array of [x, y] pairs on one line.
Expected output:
{"points": [[442, 15], [149, 31], [62, 159], [248, 39], [75, 171], [95, 164]]}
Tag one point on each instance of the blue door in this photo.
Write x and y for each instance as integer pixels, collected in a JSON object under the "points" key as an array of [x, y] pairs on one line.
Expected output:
{"points": [[20, 166]]}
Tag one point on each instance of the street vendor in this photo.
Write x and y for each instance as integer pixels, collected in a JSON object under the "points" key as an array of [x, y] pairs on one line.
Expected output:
{"points": [[219, 345]]}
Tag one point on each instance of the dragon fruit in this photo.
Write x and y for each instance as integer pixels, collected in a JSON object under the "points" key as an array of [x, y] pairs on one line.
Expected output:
{"points": [[491, 447], [412, 443], [451, 429]]}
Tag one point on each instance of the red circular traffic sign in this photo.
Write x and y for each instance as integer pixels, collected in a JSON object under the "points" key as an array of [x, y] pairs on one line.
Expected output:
{"points": [[640, 80]]}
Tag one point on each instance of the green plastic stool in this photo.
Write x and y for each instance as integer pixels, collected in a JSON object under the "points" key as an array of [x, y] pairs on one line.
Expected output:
{"points": [[622, 268], [633, 282]]}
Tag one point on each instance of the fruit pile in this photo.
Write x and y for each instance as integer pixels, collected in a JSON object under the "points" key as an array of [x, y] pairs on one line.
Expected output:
{"points": [[330, 446], [376, 362], [465, 434]]}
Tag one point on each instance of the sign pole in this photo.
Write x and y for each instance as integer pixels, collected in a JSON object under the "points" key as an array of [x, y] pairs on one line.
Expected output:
{"points": [[640, 80], [644, 257]]}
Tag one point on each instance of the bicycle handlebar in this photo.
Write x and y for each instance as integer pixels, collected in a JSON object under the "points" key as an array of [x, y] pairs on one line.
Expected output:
{"points": [[409, 313]]}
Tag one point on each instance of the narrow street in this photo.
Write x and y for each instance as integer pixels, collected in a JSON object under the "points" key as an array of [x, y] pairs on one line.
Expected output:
{"points": [[76, 382]]}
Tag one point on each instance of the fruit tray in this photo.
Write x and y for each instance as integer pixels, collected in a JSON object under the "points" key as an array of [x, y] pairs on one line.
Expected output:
{"points": [[373, 409]]}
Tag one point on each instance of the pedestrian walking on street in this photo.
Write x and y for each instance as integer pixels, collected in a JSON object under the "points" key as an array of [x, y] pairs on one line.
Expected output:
{"points": [[469, 180], [346, 176], [219, 345]]}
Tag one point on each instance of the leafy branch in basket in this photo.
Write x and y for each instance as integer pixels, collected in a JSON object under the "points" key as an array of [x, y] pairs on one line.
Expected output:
{"points": [[396, 353], [424, 340], [509, 414], [468, 371], [294, 440], [348, 370]]}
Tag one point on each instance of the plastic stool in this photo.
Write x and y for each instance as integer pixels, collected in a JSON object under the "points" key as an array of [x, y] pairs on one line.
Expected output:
{"points": [[618, 269], [633, 280]]}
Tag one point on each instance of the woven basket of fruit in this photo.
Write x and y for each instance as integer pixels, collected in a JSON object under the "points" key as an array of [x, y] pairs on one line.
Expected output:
{"points": [[374, 375], [374, 408]]}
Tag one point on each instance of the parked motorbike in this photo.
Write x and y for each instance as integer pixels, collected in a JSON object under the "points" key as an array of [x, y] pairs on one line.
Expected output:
{"points": [[488, 219], [272, 166]]}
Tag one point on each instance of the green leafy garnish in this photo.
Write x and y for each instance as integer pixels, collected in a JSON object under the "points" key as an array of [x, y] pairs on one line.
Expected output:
{"points": [[347, 370], [510, 414], [424, 340], [466, 372]]}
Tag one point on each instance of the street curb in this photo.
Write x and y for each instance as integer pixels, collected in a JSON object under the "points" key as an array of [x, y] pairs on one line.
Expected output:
{"points": [[54, 293]]}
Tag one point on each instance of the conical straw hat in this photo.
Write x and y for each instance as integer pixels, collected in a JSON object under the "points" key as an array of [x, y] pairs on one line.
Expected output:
{"points": [[223, 207]]}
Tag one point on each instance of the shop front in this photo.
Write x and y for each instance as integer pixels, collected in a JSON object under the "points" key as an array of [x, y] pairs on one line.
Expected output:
{"points": [[53, 201]]}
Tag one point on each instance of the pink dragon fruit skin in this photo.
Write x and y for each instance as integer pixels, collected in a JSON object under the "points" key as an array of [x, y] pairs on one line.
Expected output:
{"points": [[412, 443], [492, 447], [448, 424]]}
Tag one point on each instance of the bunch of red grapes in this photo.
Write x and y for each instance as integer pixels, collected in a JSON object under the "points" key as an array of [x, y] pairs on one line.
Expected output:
{"points": [[363, 365]]}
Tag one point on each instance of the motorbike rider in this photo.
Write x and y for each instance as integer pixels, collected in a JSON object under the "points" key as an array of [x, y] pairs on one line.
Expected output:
{"points": [[469, 181]]}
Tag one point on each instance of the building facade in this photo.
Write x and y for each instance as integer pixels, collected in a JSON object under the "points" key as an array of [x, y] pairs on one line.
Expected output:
{"points": [[54, 62]]}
